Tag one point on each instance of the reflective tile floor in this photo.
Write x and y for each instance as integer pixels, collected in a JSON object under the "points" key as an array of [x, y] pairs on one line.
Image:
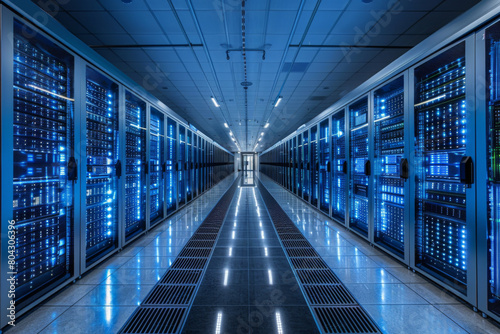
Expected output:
{"points": [[399, 300], [248, 287]]}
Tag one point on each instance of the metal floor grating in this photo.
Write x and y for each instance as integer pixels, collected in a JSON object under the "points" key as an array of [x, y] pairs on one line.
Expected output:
{"points": [[301, 252], [181, 276], [166, 306], [195, 252], [339, 320], [334, 307], [155, 320], [163, 294]]}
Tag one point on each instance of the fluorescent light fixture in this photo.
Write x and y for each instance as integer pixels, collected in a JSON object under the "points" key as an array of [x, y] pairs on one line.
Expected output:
{"points": [[278, 101], [219, 322], [227, 126], [215, 102], [260, 139], [300, 127], [266, 126], [230, 132], [262, 133]]}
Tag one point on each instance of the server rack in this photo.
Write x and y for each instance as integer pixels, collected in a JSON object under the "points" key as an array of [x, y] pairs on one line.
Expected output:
{"points": [[135, 166], [284, 164], [103, 167], [339, 172], [300, 162], [203, 165], [360, 171], [38, 168], [306, 185], [444, 211], [157, 166], [181, 167], [171, 165], [488, 162], [293, 161], [291, 164], [314, 166], [391, 170], [195, 167], [188, 166], [324, 166]]}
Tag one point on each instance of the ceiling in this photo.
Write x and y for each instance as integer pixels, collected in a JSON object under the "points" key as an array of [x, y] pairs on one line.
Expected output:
{"points": [[177, 49]]}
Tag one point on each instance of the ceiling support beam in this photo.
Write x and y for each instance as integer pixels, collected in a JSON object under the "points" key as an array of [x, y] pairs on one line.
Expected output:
{"points": [[350, 46], [139, 46]]}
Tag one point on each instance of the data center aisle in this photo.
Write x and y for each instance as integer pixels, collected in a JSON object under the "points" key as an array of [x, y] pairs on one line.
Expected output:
{"points": [[396, 298], [249, 286], [104, 299]]}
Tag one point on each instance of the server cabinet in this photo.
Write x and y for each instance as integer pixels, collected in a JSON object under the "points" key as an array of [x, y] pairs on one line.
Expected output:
{"points": [[203, 164], [181, 167], [488, 163], [294, 165], [301, 167], [291, 164], [135, 166], [360, 167], [195, 163], [288, 165], [39, 166], [314, 166], [188, 166], [171, 174], [444, 213], [391, 170], [339, 171], [210, 169], [306, 185], [157, 166], [103, 167], [324, 166]]}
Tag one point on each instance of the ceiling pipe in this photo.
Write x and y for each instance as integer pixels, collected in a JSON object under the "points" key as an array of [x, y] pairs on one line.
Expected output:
{"points": [[296, 54], [197, 24], [290, 37]]}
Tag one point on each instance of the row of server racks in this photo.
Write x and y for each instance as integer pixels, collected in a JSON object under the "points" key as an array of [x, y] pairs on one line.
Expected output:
{"points": [[413, 166], [87, 164]]}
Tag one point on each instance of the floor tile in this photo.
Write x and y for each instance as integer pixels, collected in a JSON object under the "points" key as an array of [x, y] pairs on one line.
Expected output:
{"points": [[69, 295], [36, 320], [406, 275], [115, 295], [434, 294], [365, 275], [87, 319], [135, 276], [375, 293], [412, 319], [468, 319]]}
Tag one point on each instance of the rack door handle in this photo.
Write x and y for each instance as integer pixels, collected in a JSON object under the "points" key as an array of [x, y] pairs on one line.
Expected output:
{"points": [[328, 167], [72, 169], [344, 167], [118, 168], [467, 171], [368, 168], [404, 169]]}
